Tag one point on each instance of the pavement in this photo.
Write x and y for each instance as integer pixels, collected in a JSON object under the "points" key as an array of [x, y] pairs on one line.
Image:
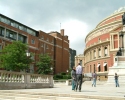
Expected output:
{"points": [[100, 92]]}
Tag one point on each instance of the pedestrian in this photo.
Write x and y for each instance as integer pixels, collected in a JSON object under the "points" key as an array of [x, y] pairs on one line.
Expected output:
{"points": [[94, 78], [79, 71], [73, 76], [116, 80]]}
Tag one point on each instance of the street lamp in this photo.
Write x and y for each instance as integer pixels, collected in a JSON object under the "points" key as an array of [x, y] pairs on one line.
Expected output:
{"points": [[27, 69], [51, 70], [67, 73]]}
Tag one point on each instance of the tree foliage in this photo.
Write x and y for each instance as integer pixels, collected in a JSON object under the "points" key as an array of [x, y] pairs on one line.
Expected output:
{"points": [[45, 64], [14, 56]]}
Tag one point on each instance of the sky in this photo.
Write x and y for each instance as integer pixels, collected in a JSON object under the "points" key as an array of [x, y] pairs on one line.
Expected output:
{"points": [[76, 17]]}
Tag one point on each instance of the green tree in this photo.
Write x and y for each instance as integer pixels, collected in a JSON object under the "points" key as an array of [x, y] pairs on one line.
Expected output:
{"points": [[14, 57], [45, 64]]}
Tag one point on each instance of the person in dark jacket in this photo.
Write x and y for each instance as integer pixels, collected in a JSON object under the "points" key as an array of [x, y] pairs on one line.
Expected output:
{"points": [[73, 76], [116, 80]]}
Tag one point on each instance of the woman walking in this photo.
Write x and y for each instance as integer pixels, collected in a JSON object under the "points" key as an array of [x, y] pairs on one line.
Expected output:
{"points": [[73, 76]]}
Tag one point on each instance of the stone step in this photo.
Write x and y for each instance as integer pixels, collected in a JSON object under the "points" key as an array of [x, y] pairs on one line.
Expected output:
{"points": [[16, 95], [21, 96]]}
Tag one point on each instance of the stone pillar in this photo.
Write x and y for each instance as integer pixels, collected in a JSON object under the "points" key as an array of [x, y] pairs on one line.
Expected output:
{"points": [[123, 43], [108, 49], [92, 55], [112, 41], [102, 51]]}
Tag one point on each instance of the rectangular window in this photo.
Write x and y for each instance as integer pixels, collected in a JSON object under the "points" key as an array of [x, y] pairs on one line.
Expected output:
{"points": [[42, 37], [2, 31], [33, 41], [0, 47], [22, 38], [47, 40], [11, 35]]}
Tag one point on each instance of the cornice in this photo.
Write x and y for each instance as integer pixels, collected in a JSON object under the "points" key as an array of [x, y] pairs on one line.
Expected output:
{"points": [[102, 58], [96, 45], [115, 23]]}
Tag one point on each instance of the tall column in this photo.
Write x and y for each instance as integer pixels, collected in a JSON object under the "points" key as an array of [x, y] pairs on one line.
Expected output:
{"points": [[118, 40], [112, 41], [108, 49], [102, 51], [123, 43]]}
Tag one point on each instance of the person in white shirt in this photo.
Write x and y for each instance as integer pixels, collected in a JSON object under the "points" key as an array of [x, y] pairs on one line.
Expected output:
{"points": [[79, 71]]}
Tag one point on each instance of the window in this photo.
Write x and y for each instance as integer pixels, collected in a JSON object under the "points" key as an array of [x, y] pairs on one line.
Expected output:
{"points": [[33, 41], [99, 52], [12, 24], [99, 67], [47, 40], [11, 35], [47, 47], [105, 51], [42, 38], [94, 53], [90, 69], [52, 49], [31, 32], [105, 66], [21, 27], [81, 62], [42, 45], [2, 31], [99, 40], [22, 38], [0, 47], [52, 41]]}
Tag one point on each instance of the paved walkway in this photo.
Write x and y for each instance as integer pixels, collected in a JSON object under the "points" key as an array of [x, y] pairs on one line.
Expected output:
{"points": [[109, 92]]}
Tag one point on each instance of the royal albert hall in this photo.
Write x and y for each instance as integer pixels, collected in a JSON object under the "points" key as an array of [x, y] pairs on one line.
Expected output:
{"points": [[102, 44]]}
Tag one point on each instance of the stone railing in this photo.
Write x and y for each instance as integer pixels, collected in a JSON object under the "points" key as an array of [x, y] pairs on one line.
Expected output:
{"points": [[21, 80]]}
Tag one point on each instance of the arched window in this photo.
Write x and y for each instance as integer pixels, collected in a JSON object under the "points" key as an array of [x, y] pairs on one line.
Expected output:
{"points": [[99, 67], [105, 51], [99, 52], [105, 66], [81, 62], [90, 68], [99, 40]]}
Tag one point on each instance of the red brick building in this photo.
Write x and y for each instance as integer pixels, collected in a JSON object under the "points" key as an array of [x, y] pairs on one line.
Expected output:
{"points": [[102, 43], [54, 43]]}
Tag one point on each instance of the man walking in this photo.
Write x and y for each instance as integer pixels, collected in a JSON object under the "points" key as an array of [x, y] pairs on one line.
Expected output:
{"points": [[79, 71]]}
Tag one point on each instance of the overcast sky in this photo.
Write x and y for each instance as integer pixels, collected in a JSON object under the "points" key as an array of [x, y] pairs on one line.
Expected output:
{"points": [[76, 17]]}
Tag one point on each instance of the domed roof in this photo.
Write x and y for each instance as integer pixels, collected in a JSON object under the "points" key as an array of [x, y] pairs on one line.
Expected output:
{"points": [[121, 9]]}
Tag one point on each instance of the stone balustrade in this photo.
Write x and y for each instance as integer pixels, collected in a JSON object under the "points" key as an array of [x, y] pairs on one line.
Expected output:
{"points": [[21, 80]]}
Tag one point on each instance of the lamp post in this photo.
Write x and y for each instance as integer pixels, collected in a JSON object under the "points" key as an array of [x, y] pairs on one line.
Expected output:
{"points": [[67, 73], [27, 69], [51, 70], [122, 42]]}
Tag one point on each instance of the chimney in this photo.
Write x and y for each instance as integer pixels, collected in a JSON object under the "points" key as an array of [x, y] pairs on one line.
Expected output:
{"points": [[62, 32]]}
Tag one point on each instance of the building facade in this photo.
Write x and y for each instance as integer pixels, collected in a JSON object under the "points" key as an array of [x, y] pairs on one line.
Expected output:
{"points": [[72, 57], [54, 43], [102, 43]]}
